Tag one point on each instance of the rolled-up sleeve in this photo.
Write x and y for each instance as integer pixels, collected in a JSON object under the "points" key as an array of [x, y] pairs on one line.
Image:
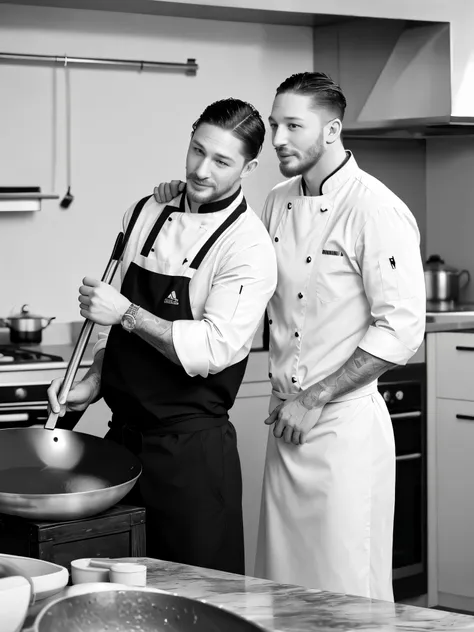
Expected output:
{"points": [[388, 251], [233, 310]]}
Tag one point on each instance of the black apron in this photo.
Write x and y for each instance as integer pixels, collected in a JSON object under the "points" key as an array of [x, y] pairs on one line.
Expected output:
{"points": [[178, 425]]}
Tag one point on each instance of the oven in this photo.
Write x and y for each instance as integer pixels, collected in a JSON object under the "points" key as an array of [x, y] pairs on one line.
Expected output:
{"points": [[25, 375], [403, 390]]}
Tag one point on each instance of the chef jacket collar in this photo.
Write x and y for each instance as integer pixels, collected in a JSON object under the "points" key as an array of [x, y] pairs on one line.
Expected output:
{"points": [[212, 207], [338, 177]]}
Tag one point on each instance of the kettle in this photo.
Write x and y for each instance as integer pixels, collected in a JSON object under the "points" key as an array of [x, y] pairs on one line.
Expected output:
{"points": [[26, 327], [443, 282]]}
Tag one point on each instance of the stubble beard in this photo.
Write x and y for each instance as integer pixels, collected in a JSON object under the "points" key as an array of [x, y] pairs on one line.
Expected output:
{"points": [[309, 160]]}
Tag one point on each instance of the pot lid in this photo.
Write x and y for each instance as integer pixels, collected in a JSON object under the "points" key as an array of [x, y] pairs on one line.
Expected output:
{"points": [[436, 264], [25, 313]]}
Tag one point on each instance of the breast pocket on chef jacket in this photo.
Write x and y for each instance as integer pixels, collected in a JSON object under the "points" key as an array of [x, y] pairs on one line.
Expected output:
{"points": [[334, 276]]}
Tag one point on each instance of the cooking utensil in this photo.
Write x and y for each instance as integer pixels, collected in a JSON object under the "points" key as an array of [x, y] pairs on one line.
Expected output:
{"points": [[68, 198], [26, 327], [62, 474], [86, 331], [126, 610], [443, 282]]}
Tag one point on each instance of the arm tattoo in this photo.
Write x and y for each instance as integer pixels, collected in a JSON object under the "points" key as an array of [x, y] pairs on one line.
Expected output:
{"points": [[157, 332], [361, 369]]}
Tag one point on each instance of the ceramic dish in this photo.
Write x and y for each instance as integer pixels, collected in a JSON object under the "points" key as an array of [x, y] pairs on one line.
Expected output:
{"points": [[48, 578]]}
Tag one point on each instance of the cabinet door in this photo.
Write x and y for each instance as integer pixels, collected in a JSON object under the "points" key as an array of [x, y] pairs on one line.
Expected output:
{"points": [[455, 490], [455, 366], [248, 414]]}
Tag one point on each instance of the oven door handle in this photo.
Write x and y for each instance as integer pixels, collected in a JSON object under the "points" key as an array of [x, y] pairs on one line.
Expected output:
{"points": [[13, 417], [409, 457], [411, 415]]}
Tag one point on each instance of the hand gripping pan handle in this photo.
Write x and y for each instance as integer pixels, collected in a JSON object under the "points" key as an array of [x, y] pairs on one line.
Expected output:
{"points": [[85, 334]]}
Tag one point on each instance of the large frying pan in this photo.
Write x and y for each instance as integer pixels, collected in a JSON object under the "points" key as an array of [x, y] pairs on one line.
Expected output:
{"points": [[52, 474]]}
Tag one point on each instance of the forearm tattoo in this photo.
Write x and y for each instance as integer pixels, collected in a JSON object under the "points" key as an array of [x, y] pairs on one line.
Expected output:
{"points": [[361, 369], [156, 332]]}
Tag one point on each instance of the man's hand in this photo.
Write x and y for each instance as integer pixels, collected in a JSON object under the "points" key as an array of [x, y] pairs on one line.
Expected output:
{"points": [[101, 303], [79, 397], [292, 423], [166, 191]]}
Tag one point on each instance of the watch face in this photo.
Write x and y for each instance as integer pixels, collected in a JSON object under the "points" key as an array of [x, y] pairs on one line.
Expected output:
{"points": [[128, 322]]}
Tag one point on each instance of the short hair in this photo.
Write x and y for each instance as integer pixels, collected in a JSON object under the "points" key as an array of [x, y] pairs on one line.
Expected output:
{"points": [[239, 117], [323, 90]]}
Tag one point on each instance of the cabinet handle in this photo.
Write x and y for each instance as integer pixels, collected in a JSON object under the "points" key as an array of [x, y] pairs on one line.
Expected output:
{"points": [[411, 415], [466, 417], [464, 348], [409, 457]]}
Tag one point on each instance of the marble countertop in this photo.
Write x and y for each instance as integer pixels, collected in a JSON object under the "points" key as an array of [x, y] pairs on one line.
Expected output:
{"points": [[285, 608]]}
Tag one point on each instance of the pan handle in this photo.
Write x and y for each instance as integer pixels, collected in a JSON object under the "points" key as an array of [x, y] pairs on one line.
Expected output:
{"points": [[85, 334]]}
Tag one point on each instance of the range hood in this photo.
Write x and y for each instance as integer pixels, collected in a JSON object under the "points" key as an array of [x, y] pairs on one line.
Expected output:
{"points": [[412, 95]]}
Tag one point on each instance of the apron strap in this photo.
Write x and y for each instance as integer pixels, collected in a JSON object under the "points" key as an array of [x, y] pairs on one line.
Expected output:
{"points": [[133, 220], [215, 236], [165, 213]]}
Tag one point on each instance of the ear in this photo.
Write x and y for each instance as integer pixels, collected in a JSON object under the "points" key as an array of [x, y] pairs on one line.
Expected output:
{"points": [[332, 131], [249, 168]]}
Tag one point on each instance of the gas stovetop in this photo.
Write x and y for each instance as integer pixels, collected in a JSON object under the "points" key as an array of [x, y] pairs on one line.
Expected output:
{"points": [[11, 354]]}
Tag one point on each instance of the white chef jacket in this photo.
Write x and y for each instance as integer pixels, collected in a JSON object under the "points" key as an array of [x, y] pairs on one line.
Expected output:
{"points": [[228, 292], [350, 275]]}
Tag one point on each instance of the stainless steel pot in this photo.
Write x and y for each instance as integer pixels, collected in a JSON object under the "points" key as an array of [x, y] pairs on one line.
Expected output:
{"points": [[443, 282], [26, 327]]}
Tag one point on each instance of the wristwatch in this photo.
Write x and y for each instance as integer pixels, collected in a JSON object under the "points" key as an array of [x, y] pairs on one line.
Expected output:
{"points": [[129, 320]]}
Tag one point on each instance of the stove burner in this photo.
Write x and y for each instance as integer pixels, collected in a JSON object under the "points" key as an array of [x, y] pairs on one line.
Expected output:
{"points": [[20, 355]]}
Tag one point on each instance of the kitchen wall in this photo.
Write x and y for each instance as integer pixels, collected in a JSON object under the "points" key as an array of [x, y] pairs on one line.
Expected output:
{"points": [[450, 203], [130, 130], [401, 165]]}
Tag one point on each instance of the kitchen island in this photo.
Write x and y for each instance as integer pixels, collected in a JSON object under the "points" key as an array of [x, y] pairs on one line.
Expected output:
{"points": [[285, 608]]}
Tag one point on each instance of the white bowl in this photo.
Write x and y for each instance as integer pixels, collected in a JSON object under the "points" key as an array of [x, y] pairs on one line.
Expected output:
{"points": [[82, 573], [14, 600], [48, 578]]}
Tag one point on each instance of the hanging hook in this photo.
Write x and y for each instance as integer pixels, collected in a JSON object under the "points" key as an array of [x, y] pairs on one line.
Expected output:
{"points": [[65, 61]]}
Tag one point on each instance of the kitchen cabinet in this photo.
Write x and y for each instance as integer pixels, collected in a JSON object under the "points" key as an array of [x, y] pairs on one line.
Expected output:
{"points": [[450, 433], [248, 414]]}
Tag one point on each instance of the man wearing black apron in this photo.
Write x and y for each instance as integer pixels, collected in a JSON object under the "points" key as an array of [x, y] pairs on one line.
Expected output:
{"points": [[196, 277]]}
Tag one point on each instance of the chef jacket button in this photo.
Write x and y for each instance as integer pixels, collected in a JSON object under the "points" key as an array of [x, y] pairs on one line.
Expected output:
{"points": [[300, 295], [308, 259], [297, 334], [289, 205], [270, 321], [270, 375], [294, 380], [276, 239], [170, 219]]}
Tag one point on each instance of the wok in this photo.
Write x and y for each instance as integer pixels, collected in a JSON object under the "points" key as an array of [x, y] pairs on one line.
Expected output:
{"points": [[61, 474], [138, 611], [52, 474]]}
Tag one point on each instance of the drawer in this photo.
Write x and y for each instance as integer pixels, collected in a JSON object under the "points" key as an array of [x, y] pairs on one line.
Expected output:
{"points": [[455, 366]]}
